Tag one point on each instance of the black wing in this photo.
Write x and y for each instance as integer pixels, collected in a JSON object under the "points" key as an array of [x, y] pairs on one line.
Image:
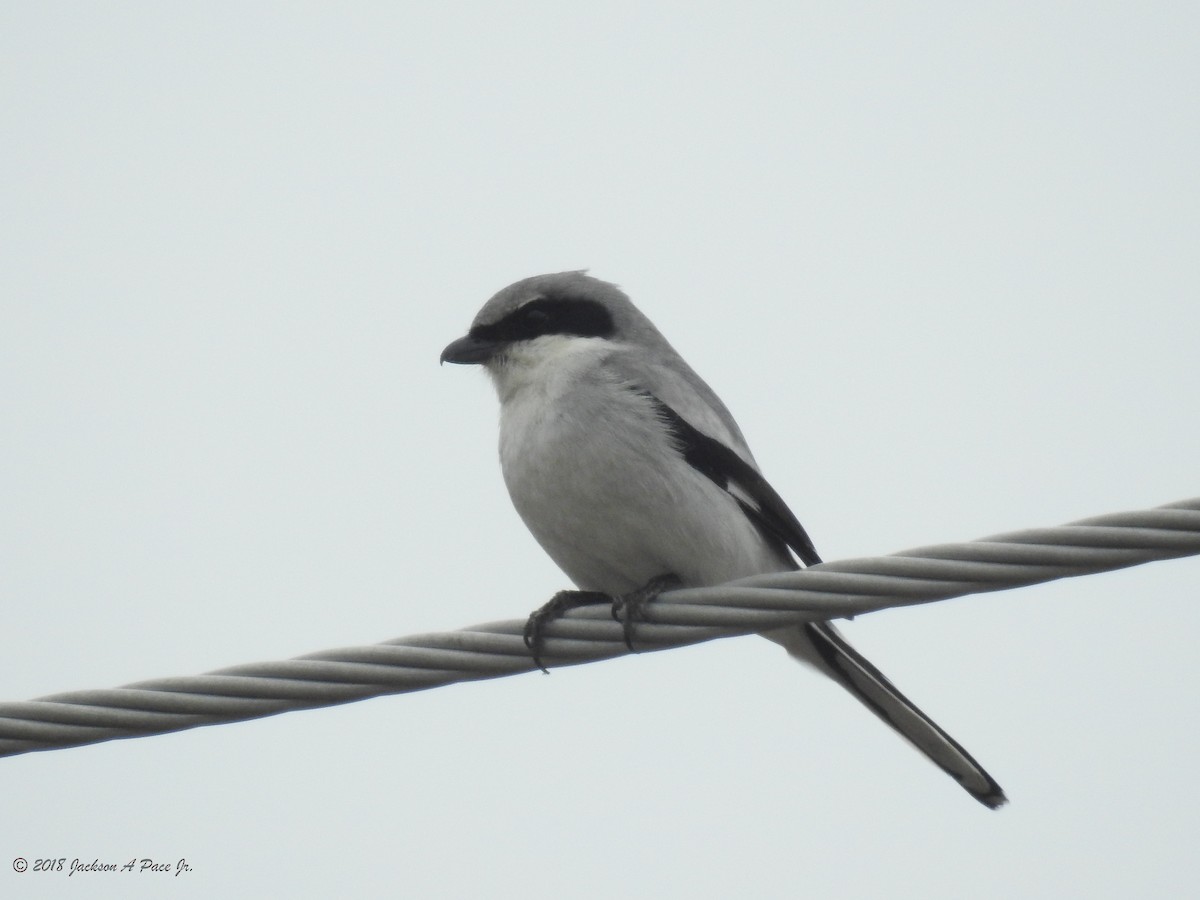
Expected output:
{"points": [[731, 473]]}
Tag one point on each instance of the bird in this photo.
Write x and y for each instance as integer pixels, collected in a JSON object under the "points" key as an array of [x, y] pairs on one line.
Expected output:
{"points": [[633, 476]]}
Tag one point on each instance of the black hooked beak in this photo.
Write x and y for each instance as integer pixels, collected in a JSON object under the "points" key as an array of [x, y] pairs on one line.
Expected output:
{"points": [[470, 351]]}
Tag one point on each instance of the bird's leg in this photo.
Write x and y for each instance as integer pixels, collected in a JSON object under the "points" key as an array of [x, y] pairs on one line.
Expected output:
{"points": [[633, 603], [555, 608]]}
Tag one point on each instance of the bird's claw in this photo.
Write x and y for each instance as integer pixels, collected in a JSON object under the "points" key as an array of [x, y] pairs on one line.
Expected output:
{"points": [[557, 606], [628, 609]]}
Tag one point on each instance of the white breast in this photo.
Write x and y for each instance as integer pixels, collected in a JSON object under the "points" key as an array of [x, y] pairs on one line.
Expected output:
{"points": [[594, 475]]}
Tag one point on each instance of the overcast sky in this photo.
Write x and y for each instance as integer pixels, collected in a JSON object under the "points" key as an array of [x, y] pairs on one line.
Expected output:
{"points": [[941, 263]]}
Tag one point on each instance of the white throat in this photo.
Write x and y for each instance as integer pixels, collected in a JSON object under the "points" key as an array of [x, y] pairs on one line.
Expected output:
{"points": [[546, 365]]}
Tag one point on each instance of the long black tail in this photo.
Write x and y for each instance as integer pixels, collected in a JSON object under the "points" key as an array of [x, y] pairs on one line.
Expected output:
{"points": [[821, 644]]}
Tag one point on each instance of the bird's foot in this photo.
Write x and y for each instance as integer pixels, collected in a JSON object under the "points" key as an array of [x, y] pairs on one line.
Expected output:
{"points": [[628, 609], [557, 606]]}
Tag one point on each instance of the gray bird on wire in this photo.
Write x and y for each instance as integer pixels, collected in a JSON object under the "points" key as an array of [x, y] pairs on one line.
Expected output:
{"points": [[634, 478]]}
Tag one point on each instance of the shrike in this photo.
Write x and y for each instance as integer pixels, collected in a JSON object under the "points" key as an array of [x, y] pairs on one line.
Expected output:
{"points": [[634, 477]]}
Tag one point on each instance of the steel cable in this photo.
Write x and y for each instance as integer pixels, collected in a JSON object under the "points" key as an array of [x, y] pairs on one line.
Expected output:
{"points": [[685, 616]]}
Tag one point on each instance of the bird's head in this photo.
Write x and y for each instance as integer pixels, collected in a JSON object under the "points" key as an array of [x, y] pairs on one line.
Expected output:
{"points": [[539, 322]]}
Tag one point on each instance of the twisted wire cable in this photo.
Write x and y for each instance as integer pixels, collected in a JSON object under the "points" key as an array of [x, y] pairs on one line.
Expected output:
{"points": [[684, 616]]}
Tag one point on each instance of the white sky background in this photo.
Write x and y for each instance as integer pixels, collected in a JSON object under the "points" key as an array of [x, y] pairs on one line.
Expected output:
{"points": [[941, 264]]}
